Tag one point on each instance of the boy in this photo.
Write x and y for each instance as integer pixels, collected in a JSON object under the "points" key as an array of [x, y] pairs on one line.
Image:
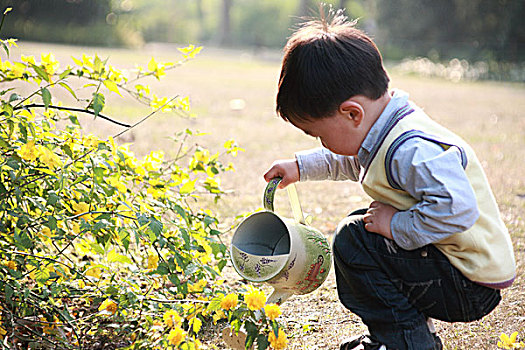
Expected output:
{"points": [[432, 243]]}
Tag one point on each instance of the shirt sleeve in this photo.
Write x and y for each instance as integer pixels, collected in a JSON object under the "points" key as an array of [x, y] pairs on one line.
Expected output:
{"points": [[436, 179], [321, 164]]}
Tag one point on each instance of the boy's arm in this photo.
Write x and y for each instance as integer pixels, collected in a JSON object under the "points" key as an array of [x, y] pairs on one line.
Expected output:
{"points": [[446, 201], [321, 164]]}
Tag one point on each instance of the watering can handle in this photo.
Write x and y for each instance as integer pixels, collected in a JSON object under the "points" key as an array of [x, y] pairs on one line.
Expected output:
{"points": [[269, 194]]}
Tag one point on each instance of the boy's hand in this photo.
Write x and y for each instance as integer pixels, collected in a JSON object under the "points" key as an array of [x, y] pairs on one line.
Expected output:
{"points": [[288, 169], [378, 217]]}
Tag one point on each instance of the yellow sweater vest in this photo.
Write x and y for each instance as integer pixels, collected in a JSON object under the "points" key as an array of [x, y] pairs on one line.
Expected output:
{"points": [[484, 252]]}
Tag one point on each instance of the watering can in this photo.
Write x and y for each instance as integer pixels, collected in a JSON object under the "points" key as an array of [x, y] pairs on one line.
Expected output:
{"points": [[288, 254]]}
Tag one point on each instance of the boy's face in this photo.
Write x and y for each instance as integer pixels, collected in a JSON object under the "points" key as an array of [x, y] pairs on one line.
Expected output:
{"points": [[339, 133]]}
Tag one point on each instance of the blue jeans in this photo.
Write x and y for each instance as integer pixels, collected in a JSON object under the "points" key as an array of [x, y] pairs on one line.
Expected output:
{"points": [[394, 290]]}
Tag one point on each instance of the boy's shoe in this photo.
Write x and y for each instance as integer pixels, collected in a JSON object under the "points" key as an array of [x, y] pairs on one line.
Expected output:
{"points": [[364, 342], [361, 342]]}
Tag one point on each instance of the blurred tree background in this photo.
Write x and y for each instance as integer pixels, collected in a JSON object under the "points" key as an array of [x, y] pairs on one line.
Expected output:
{"points": [[474, 30]]}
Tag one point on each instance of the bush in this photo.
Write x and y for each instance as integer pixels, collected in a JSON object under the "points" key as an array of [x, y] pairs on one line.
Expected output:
{"points": [[100, 248]]}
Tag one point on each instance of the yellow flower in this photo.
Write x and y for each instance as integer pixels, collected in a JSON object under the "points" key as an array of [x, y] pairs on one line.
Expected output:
{"points": [[28, 151], [197, 287], [121, 187], [90, 141], [255, 299], [510, 342], [46, 231], [157, 103], [272, 311], [80, 208], [156, 68], [75, 227], [176, 336], [184, 103], [172, 318], [278, 342], [49, 63], [153, 261], [94, 272], [48, 157], [229, 301], [28, 59], [190, 51], [10, 264], [108, 305], [153, 161]]}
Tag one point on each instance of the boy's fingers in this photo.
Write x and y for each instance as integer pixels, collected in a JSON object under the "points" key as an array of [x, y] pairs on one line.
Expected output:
{"points": [[375, 204], [270, 174]]}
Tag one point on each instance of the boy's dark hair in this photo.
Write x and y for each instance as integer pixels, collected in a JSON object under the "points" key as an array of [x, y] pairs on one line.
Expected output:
{"points": [[325, 64]]}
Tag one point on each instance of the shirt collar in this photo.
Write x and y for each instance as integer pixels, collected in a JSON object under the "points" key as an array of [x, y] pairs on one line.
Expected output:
{"points": [[399, 98]]}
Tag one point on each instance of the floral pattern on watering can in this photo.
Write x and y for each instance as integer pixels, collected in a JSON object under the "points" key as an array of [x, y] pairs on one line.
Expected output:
{"points": [[291, 256]]}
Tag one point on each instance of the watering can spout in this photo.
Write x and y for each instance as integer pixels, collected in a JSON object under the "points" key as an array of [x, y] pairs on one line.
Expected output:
{"points": [[278, 297]]}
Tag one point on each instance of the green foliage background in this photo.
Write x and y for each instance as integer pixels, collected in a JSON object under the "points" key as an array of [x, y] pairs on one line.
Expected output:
{"points": [[473, 30]]}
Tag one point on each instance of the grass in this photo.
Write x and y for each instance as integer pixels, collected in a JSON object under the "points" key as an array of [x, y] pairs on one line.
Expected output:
{"points": [[488, 115]]}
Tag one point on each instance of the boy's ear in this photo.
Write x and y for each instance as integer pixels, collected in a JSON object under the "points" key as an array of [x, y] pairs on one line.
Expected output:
{"points": [[352, 110]]}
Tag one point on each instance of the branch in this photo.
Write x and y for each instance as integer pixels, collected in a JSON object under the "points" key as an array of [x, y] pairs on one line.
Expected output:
{"points": [[129, 127], [73, 109]]}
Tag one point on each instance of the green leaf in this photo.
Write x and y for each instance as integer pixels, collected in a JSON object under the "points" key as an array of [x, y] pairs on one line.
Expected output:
{"points": [[97, 63], [7, 110], [174, 279], [275, 328], [98, 103], [41, 72], [52, 200], [222, 264], [236, 325], [46, 97], [67, 150], [64, 74], [214, 305], [14, 97], [163, 269], [95, 247], [155, 226], [262, 342], [23, 240], [13, 163], [9, 294], [52, 222], [186, 238], [252, 331], [5, 47], [74, 119], [115, 257], [123, 234], [23, 131], [68, 88], [3, 92], [180, 210]]}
